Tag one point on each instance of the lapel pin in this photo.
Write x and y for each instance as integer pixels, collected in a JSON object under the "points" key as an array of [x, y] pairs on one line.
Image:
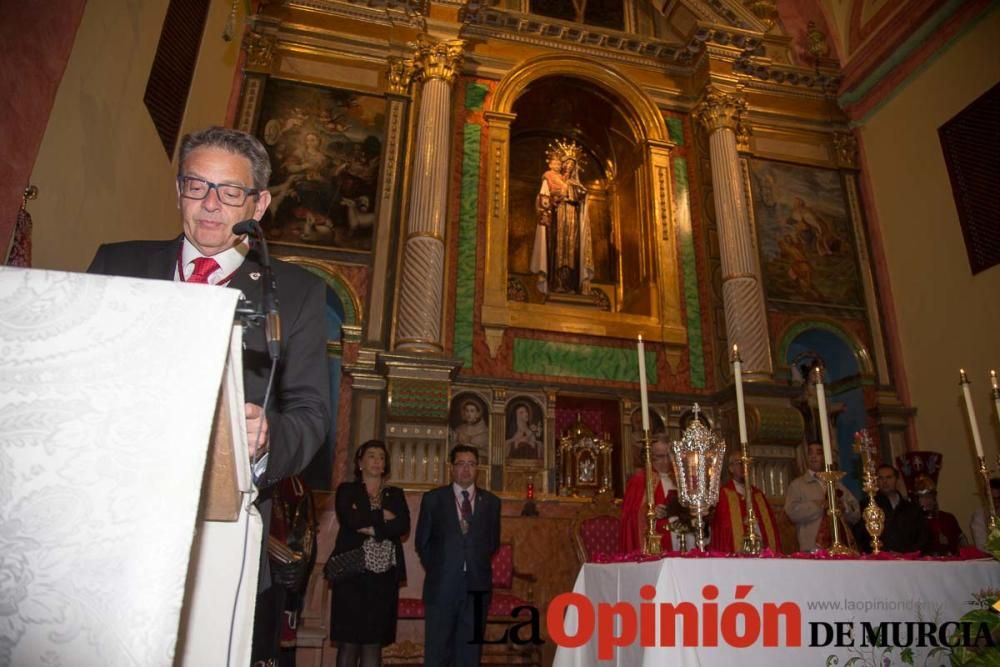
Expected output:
{"points": [[254, 276]]}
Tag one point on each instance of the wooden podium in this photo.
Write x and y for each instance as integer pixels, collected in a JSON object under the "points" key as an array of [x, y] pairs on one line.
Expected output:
{"points": [[125, 487]]}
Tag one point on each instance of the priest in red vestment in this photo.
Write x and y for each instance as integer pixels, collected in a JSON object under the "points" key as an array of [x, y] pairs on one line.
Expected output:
{"points": [[730, 513], [672, 520]]}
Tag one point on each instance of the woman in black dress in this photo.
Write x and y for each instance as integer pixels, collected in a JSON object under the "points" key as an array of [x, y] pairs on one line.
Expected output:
{"points": [[363, 617]]}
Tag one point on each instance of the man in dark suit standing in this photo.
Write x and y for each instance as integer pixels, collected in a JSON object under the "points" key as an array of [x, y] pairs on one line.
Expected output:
{"points": [[222, 180], [905, 528], [457, 533]]}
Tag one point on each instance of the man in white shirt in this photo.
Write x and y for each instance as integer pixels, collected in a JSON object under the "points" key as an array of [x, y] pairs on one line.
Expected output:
{"points": [[222, 180], [806, 501], [457, 534]]}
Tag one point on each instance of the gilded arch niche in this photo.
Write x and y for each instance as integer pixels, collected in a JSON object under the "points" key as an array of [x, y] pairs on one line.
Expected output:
{"points": [[622, 139], [850, 340]]}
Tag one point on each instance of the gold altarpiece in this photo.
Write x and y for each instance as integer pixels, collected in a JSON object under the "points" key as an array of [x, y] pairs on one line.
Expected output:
{"points": [[584, 462], [646, 296]]}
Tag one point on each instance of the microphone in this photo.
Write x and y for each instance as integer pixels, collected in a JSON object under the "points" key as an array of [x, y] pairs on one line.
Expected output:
{"points": [[245, 227], [269, 298]]}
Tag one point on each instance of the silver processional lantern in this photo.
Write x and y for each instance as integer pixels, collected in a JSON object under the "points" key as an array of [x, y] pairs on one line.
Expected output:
{"points": [[698, 458]]}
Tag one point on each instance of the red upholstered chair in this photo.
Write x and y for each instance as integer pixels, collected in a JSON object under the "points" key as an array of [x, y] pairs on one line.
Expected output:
{"points": [[410, 608], [503, 602], [595, 529]]}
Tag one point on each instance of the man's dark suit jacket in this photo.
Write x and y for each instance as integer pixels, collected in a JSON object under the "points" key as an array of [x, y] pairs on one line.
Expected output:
{"points": [[299, 415], [444, 550], [905, 528]]}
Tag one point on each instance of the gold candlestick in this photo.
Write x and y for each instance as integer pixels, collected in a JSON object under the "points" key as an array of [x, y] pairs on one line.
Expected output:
{"points": [[873, 515], [992, 523], [651, 545], [831, 477], [751, 540]]}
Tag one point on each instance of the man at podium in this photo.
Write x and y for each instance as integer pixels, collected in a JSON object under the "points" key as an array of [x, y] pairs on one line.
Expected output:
{"points": [[222, 180]]}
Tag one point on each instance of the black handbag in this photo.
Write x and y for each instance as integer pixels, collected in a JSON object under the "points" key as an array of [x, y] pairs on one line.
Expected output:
{"points": [[342, 566]]}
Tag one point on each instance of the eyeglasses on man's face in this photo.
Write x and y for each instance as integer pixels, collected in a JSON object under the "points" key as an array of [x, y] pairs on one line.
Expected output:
{"points": [[198, 188]]}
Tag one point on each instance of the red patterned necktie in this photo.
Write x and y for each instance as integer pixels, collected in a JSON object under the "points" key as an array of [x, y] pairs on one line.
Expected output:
{"points": [[203, 268], [466, 511], [466, 506]]}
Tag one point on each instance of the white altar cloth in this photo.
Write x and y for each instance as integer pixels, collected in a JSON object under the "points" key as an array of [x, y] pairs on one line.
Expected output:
{"points": [[826, 592]]}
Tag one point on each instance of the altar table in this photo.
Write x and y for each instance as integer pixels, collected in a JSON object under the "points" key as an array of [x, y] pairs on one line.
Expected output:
{"points": [[771, 611]]}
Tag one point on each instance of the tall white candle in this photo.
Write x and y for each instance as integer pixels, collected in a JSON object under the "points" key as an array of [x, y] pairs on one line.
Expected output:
{"points": [[741, 411], [824, 422], [964, 381], [643, 398], [996, 392]]}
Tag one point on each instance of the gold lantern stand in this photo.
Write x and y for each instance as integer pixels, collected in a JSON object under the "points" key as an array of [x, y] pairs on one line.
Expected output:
{"points": [[698, 458]]}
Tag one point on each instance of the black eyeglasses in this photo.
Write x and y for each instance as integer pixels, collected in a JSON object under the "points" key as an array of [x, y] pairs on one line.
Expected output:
{"points": [[198, 188]]}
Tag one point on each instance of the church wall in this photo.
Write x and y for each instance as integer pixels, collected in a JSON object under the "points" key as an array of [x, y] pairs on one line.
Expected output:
{"points": [[947, 318], [102, 171]]}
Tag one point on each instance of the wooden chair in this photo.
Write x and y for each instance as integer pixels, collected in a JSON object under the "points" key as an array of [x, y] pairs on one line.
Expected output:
{"points": [[596, 529]]}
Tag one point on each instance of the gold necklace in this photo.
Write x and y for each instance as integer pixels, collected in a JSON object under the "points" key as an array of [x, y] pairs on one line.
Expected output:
{"points": [[375, 499]]}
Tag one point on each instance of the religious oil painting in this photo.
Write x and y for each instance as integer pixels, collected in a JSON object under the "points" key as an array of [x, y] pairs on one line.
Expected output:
{"points": [[326, 148], [804, 228], [525, 436], [469, 423]]}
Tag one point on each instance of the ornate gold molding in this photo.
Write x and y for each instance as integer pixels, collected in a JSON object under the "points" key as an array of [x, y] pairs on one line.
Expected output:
{"points": [[719, 109], [743, 134], [494, 338], [845, 149], [260, 50], [816, 42], [251, 98], [401, 73], [765, 10], [441, 60], [648, 118]]}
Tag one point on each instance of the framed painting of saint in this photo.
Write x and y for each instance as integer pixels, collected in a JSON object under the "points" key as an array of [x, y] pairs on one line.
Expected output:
{"points": [[469, 423], [325, 147], [525, 434]]}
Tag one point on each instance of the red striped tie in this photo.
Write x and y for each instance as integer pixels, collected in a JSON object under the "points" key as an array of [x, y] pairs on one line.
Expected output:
{"points": [[203, 268]]}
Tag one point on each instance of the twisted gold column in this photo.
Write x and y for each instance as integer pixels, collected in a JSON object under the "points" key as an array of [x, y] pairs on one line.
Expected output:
{"points": [[722, 114], [418, 319]]}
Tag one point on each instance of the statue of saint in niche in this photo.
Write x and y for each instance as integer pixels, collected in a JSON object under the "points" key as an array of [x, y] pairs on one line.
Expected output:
{"points": [[562, 257]]}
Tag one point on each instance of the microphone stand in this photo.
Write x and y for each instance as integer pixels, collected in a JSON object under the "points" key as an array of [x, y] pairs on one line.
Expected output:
{"points": [[268, 311], [269, 300]]}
